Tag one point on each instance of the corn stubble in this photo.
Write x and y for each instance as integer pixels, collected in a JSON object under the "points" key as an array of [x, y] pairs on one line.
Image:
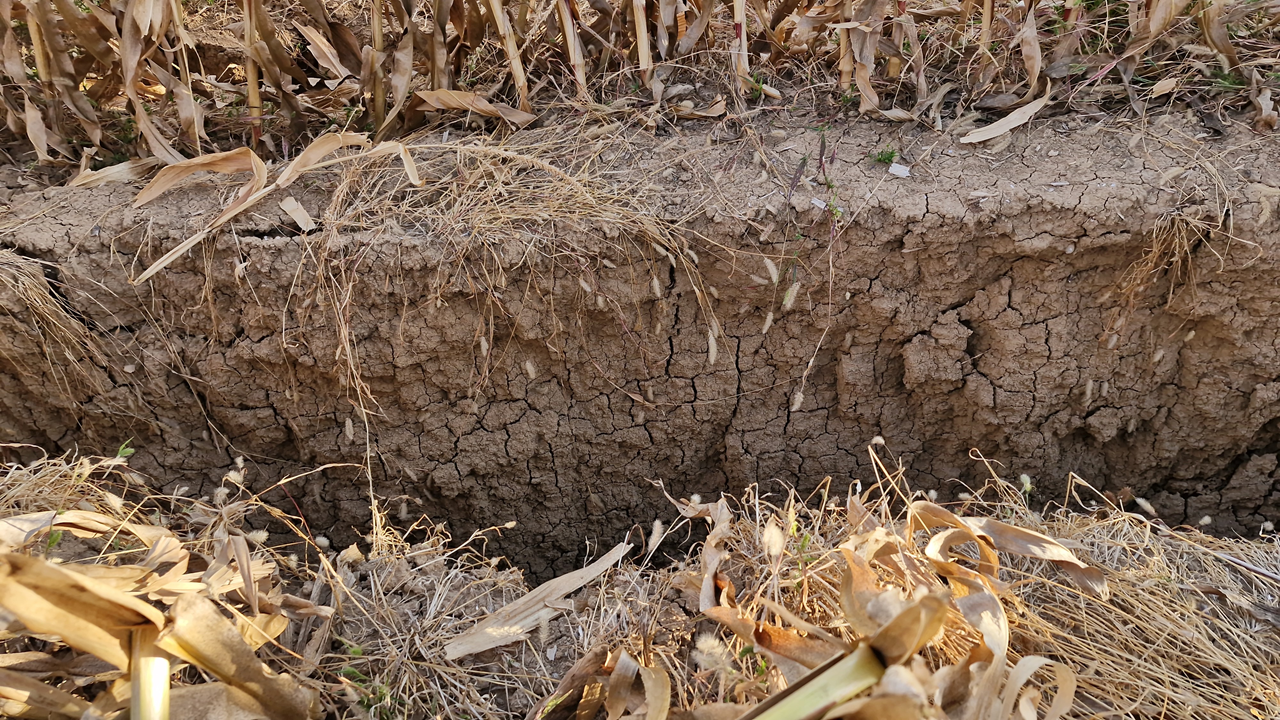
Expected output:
{"points": [[126, 77], [882, 604], [151, 601]]}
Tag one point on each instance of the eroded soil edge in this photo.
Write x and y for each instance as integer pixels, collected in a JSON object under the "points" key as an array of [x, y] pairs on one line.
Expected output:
{"points": [[968, 306]]}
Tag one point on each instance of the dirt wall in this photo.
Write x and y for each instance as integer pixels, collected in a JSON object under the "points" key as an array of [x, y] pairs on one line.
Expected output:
{"points": [[978, 303]]}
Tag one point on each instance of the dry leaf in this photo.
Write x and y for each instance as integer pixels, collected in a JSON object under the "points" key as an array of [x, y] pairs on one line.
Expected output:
{"points": [[214, 701], [714, 711], [294, 209], [513, 622], [87, 614], [1018, 117], [233, 161], [1164, 86], [322, 50], [200, 635], [1029, 543], [127, 171], [912, 629], [590, 704], [401, 74], [1267, 116], [261, 629], [657, 692], [576, 679], [19, 688], [686, 111], [625, 669], [308, 159], [37, 133], [437, 100], [319, 148], [1022, 672], [809, 652], [880, 707]]}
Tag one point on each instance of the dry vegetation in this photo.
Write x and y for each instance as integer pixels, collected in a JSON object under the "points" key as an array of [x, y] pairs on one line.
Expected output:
{"points": [[94, 83], [866, 604]]}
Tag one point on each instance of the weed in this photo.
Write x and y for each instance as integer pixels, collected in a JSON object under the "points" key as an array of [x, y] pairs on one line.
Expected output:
{"points": [[885, 155], [1227, 81]]}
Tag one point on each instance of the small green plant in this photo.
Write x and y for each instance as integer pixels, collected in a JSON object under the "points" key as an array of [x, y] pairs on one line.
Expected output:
{"points": [[886, 155], [836, 211], [353, 675], [52, 541], [1227, 81], [373, 695], [125, 451]]}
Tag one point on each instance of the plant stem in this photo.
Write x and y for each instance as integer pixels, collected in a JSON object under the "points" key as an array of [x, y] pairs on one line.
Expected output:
{"points": [[149, 669], [251, 73]]}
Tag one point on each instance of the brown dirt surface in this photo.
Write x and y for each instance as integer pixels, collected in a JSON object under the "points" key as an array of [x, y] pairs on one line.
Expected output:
{"points": [[545, 370]]}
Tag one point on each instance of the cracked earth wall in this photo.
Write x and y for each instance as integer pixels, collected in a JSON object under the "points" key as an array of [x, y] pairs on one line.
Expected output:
{"points": [[968, 306]]}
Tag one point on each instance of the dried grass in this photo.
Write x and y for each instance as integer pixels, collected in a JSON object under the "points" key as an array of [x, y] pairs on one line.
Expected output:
{"points": [[70, 348], [1187, 630]]}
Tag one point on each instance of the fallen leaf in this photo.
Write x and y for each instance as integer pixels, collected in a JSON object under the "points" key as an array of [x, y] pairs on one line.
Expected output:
{"points": [[513, 622], [214, 701], [17, 687], [324, 53], [37, 133], [1018, 117], [912, 629], [294, 209], [657, 692], [1164, 86], [127, 171], [233, 161], [576, 679], [437, 100], [199, 634], [625, 669], [686, 111], [319, 148], [1028, 543], [86, 614]]}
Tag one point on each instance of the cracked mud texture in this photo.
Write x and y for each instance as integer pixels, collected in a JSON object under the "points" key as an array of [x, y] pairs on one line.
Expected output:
{"points": [[967, 306]]}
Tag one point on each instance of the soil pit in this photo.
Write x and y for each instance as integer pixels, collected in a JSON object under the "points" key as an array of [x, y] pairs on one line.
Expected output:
{"points": [[551, 325]]}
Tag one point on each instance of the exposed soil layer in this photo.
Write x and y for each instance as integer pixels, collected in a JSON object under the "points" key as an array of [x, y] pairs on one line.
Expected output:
{"points": [[978, 303]]}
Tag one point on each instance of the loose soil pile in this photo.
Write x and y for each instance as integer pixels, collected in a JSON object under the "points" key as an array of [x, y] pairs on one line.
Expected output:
{"points": [[549, 324]]}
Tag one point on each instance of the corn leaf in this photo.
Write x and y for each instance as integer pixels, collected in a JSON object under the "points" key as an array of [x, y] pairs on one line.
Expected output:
{"points": [[127, 171], [438, 100], [233, 161], [87, 614], [824, 688], [657, 692], [1028, 543], [200, 635], [215, 701], [625, 669], [19, 688], [513, 622], [1018, 117], [913, 628]]}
